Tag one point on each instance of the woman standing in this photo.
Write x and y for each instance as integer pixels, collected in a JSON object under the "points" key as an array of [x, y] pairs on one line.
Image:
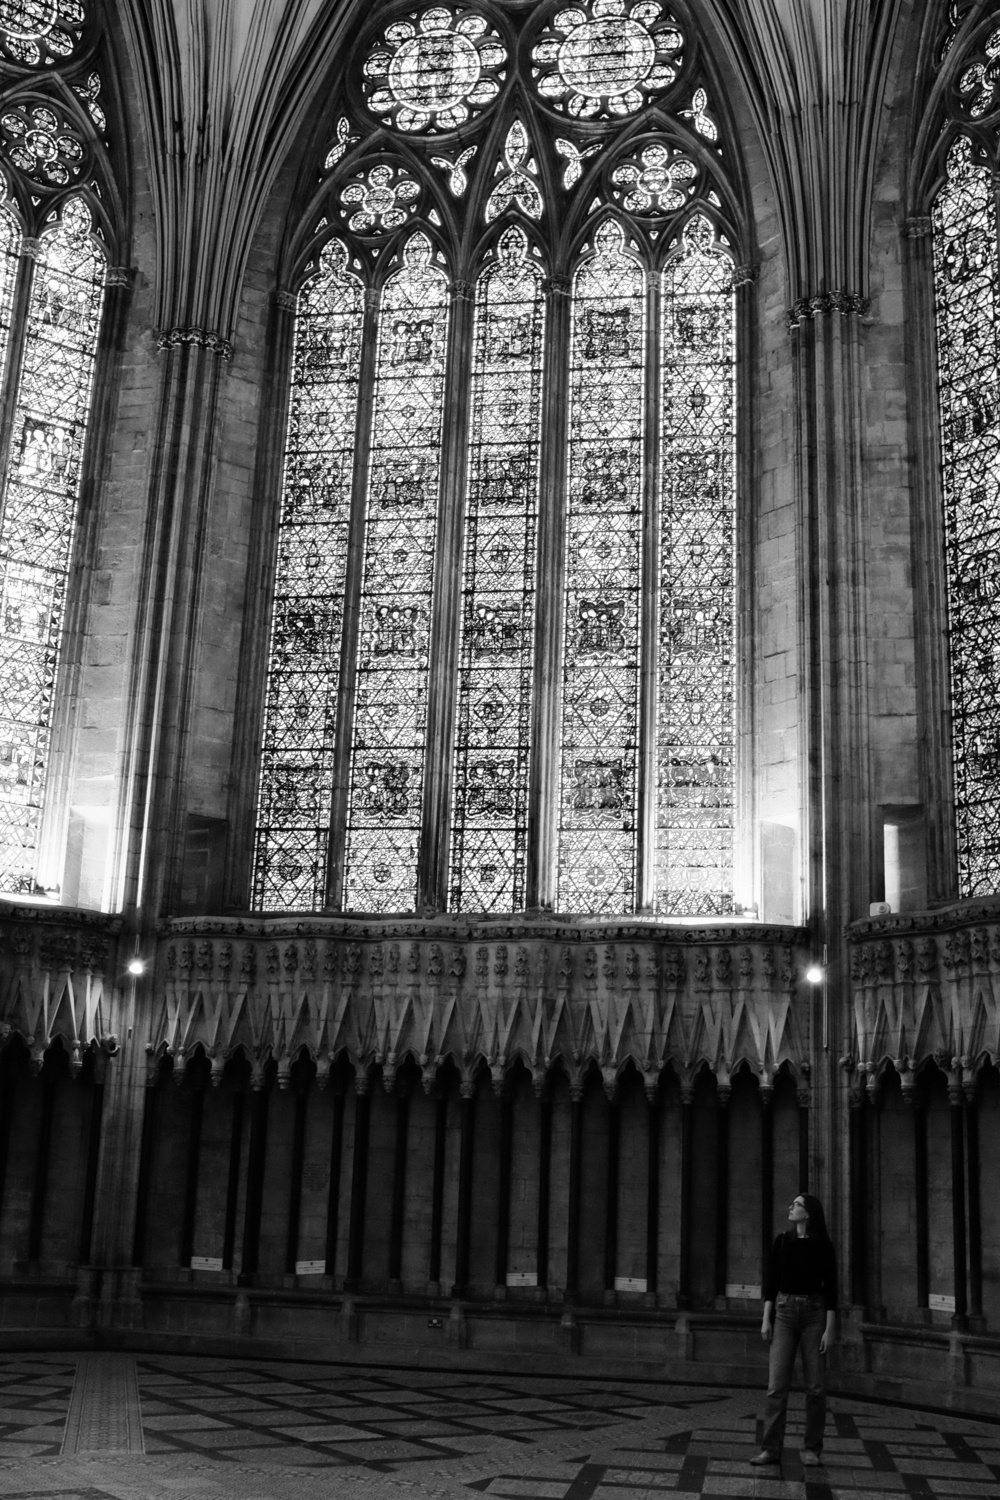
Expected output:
{"points": [[800, 1291]]}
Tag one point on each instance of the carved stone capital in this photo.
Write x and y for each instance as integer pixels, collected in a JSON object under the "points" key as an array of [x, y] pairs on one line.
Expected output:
{"points": [[287, 301], [195, 338], [119, 276], [917, 229], [823, 304], [32, 248], [745, 274]]}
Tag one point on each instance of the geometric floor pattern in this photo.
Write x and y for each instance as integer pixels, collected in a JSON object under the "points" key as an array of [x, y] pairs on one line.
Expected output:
{"points": [[225, 1429]]}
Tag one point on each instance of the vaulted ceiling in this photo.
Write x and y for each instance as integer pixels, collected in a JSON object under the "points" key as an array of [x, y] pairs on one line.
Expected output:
{"points": [[227, 84]]}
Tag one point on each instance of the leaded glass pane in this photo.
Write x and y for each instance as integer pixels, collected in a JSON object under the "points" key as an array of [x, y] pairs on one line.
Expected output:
{"points": [[600, 689], [431, 71], [300, 714], [968, 329], [489, 828], [36, 533], [695, 782], [388, 747]]}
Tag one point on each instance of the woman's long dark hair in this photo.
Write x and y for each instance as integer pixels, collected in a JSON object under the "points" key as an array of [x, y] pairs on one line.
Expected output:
{"points": [[816, 1228]]}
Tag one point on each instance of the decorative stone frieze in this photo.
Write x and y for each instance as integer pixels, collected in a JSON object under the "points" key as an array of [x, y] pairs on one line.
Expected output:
{"points": [[554, 995], [925, 989], [56, 979]]}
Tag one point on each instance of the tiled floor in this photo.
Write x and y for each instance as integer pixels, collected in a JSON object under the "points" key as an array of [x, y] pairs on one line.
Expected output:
{"points": [[222, 1429]]}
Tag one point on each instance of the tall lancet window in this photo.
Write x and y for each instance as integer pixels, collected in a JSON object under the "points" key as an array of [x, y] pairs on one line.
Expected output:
{"points": [[53, 261], [967, 300], [502, 638]]}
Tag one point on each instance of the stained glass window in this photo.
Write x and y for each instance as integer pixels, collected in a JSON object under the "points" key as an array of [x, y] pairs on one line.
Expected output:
{"points": [[37, 33], [968, 327], [490, 818], [39, 511], [600, 694], [294, 805], [534, 479], [695, 730], [388, 743]]}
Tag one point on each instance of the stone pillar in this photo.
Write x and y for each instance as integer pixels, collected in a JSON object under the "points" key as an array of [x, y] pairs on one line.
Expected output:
{"points": [[573, 1207], [195, 1113], [653, 1194], [766, 1174], [503, 1187], [722, 1096], [467, 1116], [544, 1185], [93, 1158], [611, 1198], [402, 1092], [956, 1103], [43, 1150], [233, 1179], [804, 1099], [295, 1166], [333, 1192], [687, 1172], [150, 1113], [858, 1150], [976, 1320], [437, 1190], [359, 1185], [921, 1205], [256, 1156]]}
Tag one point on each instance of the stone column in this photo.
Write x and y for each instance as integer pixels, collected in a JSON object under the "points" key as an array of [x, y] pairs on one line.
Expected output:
{"points": [[150, 1113], [956, 1103], [976, 1320], [256, 1156], [333, 1193], [359, 1185], [43, 1150], [93, 1158], [723, 1094], [573, 1207], [402, 1092], [467, 1115], [858, 1181], [295, 1166], [766, 1175], [437, 1190], [653, 1194], [921, 1207], [503, 1186], [195, 1113], [544, 1185], [611, 1198], [687, 1170], [233, 1180]]}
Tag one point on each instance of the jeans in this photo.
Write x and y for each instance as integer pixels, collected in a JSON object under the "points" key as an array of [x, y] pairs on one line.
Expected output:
{"points": [[798, 1324]]}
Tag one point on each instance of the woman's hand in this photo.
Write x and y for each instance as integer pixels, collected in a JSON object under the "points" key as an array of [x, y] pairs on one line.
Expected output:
{"points": [[767, 1329], [829, 1336]]}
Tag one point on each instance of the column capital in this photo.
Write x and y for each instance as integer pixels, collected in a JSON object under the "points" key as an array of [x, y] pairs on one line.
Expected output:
{"points": [[287, 301], [197, 338]]}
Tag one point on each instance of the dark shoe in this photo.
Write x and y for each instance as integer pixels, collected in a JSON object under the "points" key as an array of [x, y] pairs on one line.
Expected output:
{"points": [[765, 1456], [811, 1458]]}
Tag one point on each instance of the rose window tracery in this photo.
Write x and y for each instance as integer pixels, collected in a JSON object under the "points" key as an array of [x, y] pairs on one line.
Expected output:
{"points": [[658, 181], [516, 187], [379, 200], [432, 72], [979, 84], [605, 59], [37, 32], [39, 142]]}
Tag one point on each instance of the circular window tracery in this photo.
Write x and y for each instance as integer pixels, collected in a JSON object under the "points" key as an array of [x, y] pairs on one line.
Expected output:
{"points": [[40, 143], [379, 200], [40, 32], [432, 71], [605, 58], [656, 181]]}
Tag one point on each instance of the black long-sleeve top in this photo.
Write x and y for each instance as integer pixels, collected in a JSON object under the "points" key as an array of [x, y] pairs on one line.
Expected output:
{"points": [[804, 1267]]}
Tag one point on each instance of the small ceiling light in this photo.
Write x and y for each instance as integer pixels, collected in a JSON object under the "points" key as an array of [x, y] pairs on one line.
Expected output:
{"points": [[814, 974], [136, 966]]}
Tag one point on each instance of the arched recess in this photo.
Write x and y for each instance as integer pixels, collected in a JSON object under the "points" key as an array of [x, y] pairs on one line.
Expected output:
{"points": [[393, 774], [63, 225], [953, 238]]}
